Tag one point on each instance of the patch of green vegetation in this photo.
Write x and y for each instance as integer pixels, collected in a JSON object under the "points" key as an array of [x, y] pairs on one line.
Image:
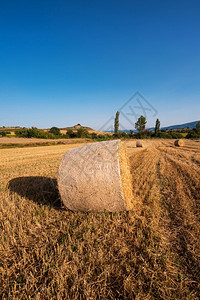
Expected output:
{"points": [[12, 145]]}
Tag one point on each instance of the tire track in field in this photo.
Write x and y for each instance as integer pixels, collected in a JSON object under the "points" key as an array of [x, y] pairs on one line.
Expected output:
{"points": [[172, 177], [181, 195], [144, 174]]}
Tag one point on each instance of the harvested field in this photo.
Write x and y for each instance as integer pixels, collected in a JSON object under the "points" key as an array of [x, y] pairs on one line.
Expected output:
{"points": [[16, 140], [47, 252]]}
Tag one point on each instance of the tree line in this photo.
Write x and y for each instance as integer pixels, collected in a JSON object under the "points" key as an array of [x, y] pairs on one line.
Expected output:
{"points": [[140, 126]]}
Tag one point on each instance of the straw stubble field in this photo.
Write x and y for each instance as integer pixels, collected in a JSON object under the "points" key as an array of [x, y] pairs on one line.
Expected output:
{"points": [[47, 252]]}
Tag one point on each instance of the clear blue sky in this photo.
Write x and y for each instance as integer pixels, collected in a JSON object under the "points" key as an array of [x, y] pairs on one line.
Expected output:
{"points": [[67, 62]]}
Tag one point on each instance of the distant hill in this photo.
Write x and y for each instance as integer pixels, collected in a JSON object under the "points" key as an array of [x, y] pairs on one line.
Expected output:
{"points": [[76, 127], [190, 125]]}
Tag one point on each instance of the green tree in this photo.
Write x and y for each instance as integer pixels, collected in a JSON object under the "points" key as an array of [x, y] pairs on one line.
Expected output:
{"points": [[82, 133], [157, 127], [198, 126], [140, 124], [71, 133], [94, 135], [55, 130], [117, 123], [2, 133]]}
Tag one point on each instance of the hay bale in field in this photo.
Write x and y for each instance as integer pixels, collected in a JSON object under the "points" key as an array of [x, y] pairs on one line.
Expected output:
{"points": [[96, 177], [179, 143], [139, 144]]}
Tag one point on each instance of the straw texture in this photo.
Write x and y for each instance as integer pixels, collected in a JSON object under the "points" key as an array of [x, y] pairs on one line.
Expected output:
{"points": [[139, 144], [179, 143], [96, 177]]}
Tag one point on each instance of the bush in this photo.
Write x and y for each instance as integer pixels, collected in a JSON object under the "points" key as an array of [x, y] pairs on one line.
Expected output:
{"points": [[93, 135], [71, 133], [55, 130], [194, 134], [34, 132], [65, 136], [2, 133], [104, 137], [131, 134], [164, 135], [141, 135], [82, 133], [21, 133], [176, 135], [123, 134]]}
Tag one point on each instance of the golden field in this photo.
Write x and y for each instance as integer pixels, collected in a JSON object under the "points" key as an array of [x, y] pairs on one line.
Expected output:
{"points": [[27, 141], [48, 252]]}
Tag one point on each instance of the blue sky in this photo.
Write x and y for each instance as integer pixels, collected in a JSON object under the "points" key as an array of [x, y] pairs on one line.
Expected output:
{"points": [[68, 62]]}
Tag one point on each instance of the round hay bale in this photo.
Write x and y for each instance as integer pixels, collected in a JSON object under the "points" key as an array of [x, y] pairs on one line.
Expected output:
{"points": [[139, 144], [96, 177], [179, 143]]}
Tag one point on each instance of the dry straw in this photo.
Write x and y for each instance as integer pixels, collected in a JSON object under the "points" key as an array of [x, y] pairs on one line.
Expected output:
{"points": [[179, 143], [139, 144], [96, 177]]}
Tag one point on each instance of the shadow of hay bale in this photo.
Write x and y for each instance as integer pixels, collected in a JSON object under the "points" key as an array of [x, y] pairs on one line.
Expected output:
{"points": [[42, 190]]}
